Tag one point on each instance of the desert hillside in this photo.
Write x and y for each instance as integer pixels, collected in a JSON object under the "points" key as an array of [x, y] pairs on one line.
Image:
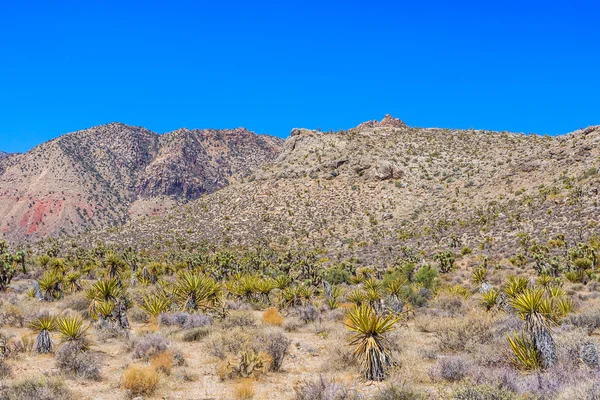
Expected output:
{"points": [[102, 176], [383, 186]]}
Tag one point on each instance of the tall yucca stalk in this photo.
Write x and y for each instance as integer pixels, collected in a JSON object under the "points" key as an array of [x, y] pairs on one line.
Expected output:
{"points": [[539, 313], [43, 325], [369, 338]]}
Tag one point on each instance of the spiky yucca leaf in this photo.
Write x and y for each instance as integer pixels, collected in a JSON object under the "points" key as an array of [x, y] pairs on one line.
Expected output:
{"points": [[524, 354], [369, 338], [357, 296], [458, 290], [490, 299], [72, 330], [373, 284], [195, 291], [282, 281], [515, 286], [394, 287], [51, 285], [104, 308], [43, 322], [105, 290], [479, 276], [155, 304]]}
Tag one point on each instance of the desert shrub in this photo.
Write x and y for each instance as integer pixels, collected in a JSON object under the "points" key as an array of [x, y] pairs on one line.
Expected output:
{"points": [[276, 346], [448, 305], [244, 390], [195, 335], [322, 389], [77, 303], [427, 276], [336, 276], [588, 320], [292, 324], [184, 320], [460, 334], [449, 369], [339, 357], [248, 363], [140, 380], [271, 316], [39, 388], [71, 359], [243, 319], [138, 315], [483, 392], [149, 345], [307, 313], [398, 392], [163, 362], [12, 315], [5, 369], [230, 342]]}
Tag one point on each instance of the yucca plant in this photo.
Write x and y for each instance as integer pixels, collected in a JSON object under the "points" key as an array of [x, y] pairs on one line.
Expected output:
{"points": [[490, 299], [43, 325], [282, 281], [394, 287], [114, 265], [515, 285], [291, 295], [332, 299], [524, 354], [357, 296], [458, 290], [539, 313], [72, 331], [72, 282], [197, 292], [104, 309], [373, 284], [51, 285], [108, 291], [544, 281], [155, 304], [369, 338], [479, 276]]}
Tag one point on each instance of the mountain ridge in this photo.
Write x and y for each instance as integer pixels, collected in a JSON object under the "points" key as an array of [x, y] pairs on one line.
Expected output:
{"points": [[377, 187], [91, 177]]}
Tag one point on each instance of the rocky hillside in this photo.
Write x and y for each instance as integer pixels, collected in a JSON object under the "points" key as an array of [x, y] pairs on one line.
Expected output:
{"points": [[102, 176], [384, 187]]}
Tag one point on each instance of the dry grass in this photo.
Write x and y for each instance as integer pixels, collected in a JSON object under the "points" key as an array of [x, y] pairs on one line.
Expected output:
{"points": [[244, 390], [163, 362], [140, 380], [271, 316]]}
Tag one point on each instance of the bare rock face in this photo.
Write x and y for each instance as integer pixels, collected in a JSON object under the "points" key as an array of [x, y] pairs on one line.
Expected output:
{"points": [[387, 122]]}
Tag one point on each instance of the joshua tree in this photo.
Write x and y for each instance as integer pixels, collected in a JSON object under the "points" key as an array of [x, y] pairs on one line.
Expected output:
{"points": [[43, 325], [369, 338], [20, 258]]}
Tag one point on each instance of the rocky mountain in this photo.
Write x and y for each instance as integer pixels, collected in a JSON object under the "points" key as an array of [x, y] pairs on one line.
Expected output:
{"points": [[383, 188], [105, 175]]}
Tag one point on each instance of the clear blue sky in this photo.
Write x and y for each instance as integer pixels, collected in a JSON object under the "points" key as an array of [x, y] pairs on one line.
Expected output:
{"points": [[525, 66]]}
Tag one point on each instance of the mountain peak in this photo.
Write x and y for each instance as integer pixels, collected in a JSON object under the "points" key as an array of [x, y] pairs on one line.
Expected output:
{"points": [[387, 122]]}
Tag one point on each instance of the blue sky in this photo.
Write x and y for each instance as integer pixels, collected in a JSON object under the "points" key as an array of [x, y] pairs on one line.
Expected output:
{"points": [[273, 65]]}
